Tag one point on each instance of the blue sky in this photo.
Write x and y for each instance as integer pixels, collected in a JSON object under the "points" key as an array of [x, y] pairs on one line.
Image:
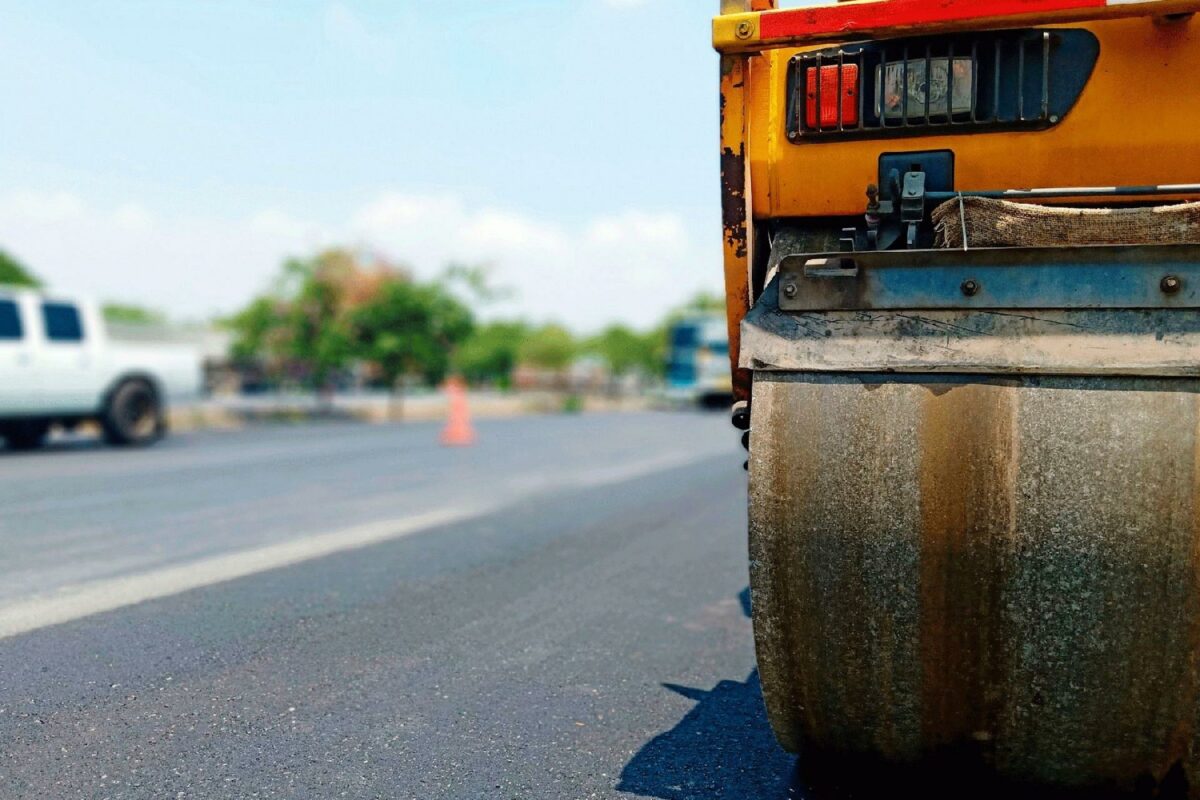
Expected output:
{"points": [[172, 153]]}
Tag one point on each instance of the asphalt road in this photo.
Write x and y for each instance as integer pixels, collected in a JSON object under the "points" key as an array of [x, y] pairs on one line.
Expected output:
{"points": [[338, 610]]}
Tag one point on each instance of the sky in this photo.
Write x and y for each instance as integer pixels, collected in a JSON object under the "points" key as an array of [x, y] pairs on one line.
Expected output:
{"points": [[173, 152]]}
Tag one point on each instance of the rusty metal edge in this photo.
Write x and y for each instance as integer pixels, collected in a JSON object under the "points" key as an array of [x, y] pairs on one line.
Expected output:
{"points": [[1052, 342]]}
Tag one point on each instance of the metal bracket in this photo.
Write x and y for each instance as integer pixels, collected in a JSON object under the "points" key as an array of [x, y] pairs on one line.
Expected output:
{"points": [[912, 206], [1100, 277]]}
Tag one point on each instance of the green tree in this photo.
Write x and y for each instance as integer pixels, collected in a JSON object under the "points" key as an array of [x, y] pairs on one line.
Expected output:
{"points": [[301, 326], [410, 329], [318, 337], [14, 273], [549, 347], [491, 352], [476, 280], [253, 328], [625, 350]]}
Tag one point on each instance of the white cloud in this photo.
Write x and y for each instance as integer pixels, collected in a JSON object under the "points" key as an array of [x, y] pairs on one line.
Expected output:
{"points": [[272, 223], [42, 207], [664, 230], [132, 217], [628, 265], [491, 229], [397, 208]]}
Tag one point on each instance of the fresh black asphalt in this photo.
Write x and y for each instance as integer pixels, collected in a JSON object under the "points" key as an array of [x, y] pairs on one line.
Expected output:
{"points": [[587, 638]]}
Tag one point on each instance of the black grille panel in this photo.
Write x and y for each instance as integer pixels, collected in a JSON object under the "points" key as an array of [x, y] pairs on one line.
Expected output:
{"points": [[1004, 80]]}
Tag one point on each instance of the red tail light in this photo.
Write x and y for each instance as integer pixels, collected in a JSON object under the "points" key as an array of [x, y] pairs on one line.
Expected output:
{"points": [[832, 93]]}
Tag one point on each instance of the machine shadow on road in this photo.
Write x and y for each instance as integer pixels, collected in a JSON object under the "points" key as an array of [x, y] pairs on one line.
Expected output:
{"points": [[723, 747]]}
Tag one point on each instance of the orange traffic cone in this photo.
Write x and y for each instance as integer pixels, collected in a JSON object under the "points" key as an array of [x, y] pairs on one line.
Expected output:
{"points": [[458, 431]]}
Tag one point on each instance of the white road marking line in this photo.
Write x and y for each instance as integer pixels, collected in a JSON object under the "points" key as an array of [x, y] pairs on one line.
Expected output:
{"points": [[619, 473], [93, 598], [84, 600]]}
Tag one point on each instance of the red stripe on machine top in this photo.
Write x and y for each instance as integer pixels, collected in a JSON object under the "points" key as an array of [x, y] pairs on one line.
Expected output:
{"points": [[850, 17]]}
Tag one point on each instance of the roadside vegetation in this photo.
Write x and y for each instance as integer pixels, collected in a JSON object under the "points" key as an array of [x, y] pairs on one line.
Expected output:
{"points": [[341, 312], [342, 317]]}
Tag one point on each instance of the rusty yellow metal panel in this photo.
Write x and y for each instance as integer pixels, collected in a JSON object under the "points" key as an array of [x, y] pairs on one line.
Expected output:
{"points": [[1135, 123], [1002, 568], [737, 219]]}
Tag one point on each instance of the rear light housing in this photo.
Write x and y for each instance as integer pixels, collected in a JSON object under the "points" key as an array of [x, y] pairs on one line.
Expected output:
{"points": [[954, 83], [949, 90], [836, 85]]}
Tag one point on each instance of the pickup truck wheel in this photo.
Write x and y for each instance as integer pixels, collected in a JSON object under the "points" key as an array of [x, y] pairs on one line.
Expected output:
{"points": [[27, 435], [134, 415]]}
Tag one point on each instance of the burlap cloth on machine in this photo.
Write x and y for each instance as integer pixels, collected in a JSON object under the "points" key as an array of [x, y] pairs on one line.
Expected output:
{"points": [[1000, 223]]}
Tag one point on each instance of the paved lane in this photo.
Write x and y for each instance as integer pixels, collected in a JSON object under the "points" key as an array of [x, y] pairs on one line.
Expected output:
{"points": [[79, 512], [582, 635]]}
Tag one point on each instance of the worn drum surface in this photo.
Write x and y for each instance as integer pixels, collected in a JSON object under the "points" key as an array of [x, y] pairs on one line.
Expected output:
{"points": [[1010, 565]]}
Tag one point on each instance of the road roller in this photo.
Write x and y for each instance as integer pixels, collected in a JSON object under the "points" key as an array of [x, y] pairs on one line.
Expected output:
{"points": [[962, 268]]}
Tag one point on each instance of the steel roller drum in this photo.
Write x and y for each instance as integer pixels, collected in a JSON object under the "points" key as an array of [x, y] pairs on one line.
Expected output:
{"points": [[1007, 566]]}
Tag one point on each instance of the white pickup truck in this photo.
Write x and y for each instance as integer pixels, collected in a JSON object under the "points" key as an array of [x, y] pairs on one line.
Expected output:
{"points": [[59, 365]]}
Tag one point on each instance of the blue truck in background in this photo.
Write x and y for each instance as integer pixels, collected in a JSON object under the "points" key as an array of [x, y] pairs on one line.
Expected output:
{"points": [[698, 361]]}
